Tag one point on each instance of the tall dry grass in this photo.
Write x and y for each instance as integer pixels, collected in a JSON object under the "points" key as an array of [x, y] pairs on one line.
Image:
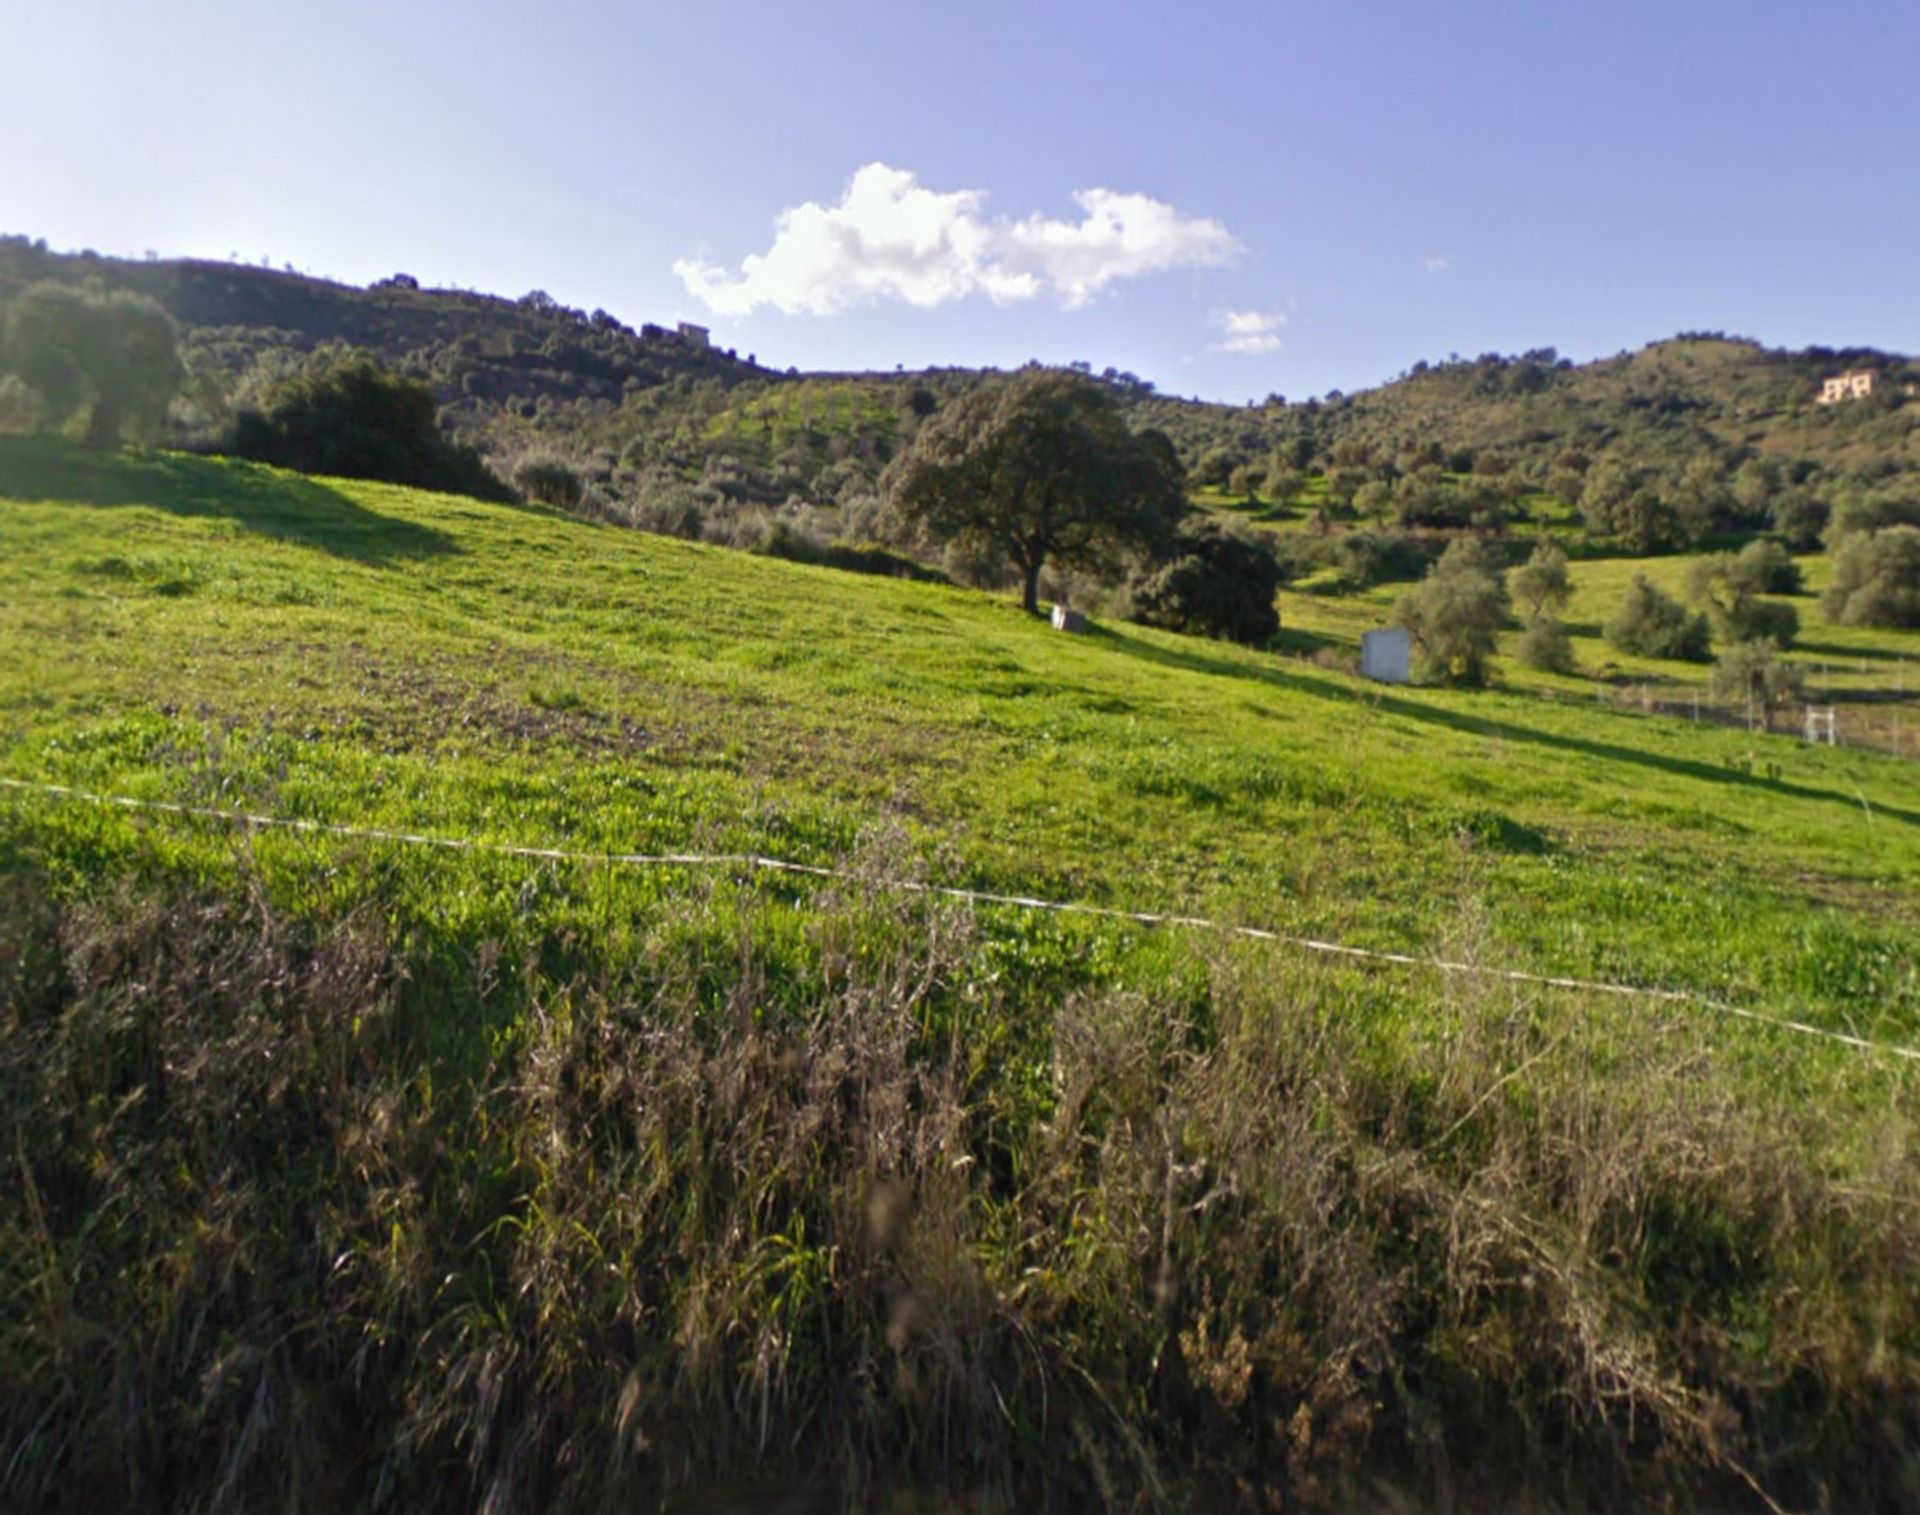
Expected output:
{"points": [[848, 1220]]}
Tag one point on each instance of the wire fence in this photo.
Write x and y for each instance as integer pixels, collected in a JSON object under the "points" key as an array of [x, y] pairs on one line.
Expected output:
{"points": [[755, 862], [1879, 718]]}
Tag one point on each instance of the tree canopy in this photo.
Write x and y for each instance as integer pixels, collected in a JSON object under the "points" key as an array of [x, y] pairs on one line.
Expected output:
{"points": [[1542, 581], [1220, 582], [1455, 614], [1876, 578], [1651, 623], [107, 364], [344, 414], [1039, 468]]}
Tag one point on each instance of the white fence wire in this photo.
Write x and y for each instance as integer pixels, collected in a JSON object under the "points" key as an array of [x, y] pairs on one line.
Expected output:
{"points": [[758, 862]]}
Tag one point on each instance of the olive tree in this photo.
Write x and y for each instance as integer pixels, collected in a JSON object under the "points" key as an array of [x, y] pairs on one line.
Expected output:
{"points": [[1754, 671], [1455, 613], [1876, 578], [1651, 623], [1541, 583], [106, 364], [1727, 587]]}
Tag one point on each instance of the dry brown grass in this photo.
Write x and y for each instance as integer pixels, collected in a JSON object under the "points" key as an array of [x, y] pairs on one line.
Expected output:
{"points": [[1267, 1242]]}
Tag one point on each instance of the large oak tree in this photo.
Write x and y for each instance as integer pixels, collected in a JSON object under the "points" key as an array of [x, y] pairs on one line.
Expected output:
{"points": [[1037, 468]]}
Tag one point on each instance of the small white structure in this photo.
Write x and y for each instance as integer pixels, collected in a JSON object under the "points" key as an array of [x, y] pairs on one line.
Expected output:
{"points": [[1821, 727], [1855, 384], [695, 336], [1386, 656], [1068, 620]]}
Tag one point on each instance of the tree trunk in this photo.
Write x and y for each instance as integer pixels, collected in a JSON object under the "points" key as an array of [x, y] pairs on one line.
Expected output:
{"points": [[1030, 588], [103, 426]]}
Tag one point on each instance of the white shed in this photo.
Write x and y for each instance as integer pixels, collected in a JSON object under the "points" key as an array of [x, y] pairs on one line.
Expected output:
{"points": [[1386, 656]]}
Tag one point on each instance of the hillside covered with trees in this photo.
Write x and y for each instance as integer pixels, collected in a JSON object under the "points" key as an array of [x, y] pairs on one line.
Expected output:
{"points": [[1697, 443]]}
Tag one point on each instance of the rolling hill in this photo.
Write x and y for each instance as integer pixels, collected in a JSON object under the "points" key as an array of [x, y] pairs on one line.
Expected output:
{"points": [[633, 407], [361, 1167]]}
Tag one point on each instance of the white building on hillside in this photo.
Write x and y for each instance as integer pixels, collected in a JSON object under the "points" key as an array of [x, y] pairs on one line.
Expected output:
{"points": [[1854, 384]]}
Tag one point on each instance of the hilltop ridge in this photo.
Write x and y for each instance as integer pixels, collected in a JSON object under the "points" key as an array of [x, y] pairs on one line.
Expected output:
{"points": [[624, 402]]}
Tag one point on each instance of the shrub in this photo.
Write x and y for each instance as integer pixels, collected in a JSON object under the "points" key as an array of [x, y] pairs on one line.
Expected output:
{"points": [[1220, 583], [1894, 504], [1546, 645], [1765, 567], [1361, 558], [1374, 500], [1454, 614], [1653, 624], [1756, 619], [1876, 579], [1247, 479], [1800, 517], [668, 506], [1215, 467], [344, 414], [548, 481]]}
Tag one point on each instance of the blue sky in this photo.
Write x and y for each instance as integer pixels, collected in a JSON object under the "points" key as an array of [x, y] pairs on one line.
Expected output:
{"points": [[1228, 199]]}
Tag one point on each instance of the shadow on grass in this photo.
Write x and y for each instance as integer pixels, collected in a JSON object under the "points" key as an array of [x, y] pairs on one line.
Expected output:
{"points": [[1485, 726], [284, 506], [1305, 643], [1841, 656]]}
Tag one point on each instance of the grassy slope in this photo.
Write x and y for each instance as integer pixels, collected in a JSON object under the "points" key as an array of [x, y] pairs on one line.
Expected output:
{"points": [[481, 1180], [1873, 675], [372, 655]]}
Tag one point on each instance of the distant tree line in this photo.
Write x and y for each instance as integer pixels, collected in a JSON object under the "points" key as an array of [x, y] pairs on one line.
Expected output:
{"points": [[1703, 442]]}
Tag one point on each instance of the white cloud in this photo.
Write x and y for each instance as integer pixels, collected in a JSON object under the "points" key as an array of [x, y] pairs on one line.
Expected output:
{"points": [[1249, 331], [890, 237], [1120, 237], [1438, 263]]}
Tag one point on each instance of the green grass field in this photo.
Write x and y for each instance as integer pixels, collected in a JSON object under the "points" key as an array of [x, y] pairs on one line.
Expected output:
{"points": [[1871, 677], [192, 630], [357, 653]]}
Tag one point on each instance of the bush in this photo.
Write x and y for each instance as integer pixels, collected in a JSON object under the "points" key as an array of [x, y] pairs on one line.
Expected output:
{"points": [[1546, 645], [1651, 623], [1220, 583], [1455, 613], [1215, 467], [1247, 479], [344, 414], [1800, 517], [1876, 579], [1360, 558], [1895, 504], [548, 481], [1765, 567], [1756, 619]]}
